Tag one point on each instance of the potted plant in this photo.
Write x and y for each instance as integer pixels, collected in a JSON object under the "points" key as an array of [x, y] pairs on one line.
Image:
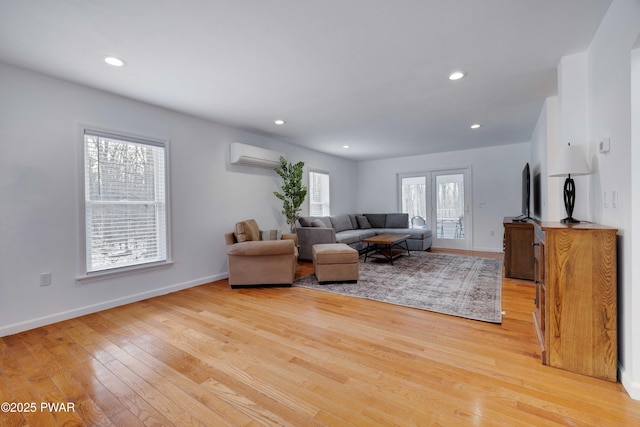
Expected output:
{"points": [[293, 191]]}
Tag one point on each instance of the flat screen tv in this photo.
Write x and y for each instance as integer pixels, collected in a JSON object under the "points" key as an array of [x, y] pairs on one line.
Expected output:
{"points": [[526, 192], [537, 202]]}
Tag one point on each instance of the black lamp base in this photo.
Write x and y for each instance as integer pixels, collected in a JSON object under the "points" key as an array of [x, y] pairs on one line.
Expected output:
{"points": [[569, 201], [569, 220]]}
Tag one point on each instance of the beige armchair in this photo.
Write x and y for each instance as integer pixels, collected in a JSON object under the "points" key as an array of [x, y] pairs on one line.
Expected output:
{"points": [[255, 262]]}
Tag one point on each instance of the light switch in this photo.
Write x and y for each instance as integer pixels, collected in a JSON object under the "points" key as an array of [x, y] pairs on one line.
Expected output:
{"points": [[605, 145], [45, 279], [614, 199]]}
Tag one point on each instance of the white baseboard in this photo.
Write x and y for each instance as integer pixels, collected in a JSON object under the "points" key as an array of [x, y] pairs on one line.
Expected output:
{"points": [[632, 387], [481, 249], [94, 308]]}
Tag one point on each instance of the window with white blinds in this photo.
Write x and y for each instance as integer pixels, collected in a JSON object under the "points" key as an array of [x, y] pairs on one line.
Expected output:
{"points": [[319, 204], [125, 196]]}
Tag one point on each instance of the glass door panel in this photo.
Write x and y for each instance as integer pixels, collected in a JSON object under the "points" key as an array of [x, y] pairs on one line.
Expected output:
{"points": [[449, 206], [450, 216]]}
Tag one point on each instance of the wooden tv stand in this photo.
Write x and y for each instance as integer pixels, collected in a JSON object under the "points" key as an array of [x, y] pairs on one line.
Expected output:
{"points": [[518, 249], [575, 279]]}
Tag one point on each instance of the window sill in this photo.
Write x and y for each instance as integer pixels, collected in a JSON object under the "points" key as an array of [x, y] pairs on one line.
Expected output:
{"points": [[124, 271]]}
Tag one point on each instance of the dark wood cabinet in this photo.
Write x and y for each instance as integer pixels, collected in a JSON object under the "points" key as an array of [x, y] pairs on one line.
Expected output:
{"points": [[518, 249], [575, 279]]}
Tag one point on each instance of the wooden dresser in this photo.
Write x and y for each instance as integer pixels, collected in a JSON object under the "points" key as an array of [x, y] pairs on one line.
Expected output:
{"points": [[575, 279], [518, 249]]}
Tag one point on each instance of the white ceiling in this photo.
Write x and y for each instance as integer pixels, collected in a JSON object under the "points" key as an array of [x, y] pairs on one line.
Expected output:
{"points": [[368, 73]]}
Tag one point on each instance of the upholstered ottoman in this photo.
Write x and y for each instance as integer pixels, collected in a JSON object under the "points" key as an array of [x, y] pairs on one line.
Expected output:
{"points": [[335, 262]]}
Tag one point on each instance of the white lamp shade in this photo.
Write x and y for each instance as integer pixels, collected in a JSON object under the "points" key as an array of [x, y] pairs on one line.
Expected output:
{"points": [[570, 161]]}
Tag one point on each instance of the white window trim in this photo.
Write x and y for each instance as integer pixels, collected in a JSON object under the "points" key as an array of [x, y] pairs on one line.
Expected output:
{"points": [[84, 276]]}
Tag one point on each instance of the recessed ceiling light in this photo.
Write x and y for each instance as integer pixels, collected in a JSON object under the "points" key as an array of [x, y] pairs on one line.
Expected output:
{"points": [[346, 146], [457, 75], [279, 122], [475, 126], [116, 62]]}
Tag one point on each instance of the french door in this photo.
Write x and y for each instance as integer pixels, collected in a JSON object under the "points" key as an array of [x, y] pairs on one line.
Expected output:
{"points": [[439, 200]]}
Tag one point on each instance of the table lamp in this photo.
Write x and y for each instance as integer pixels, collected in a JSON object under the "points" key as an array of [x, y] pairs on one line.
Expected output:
{"points": [[570, 161]]}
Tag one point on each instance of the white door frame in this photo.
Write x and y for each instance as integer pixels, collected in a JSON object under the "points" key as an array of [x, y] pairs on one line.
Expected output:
{"points": [[430, 174], [458, 243]]}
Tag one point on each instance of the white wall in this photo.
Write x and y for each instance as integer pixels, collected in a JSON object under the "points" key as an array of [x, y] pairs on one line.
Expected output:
{"points": [[496, 177], [40, 167], [606, 68], [632, 317], [609, 90], [548, 194], [572, 126]]}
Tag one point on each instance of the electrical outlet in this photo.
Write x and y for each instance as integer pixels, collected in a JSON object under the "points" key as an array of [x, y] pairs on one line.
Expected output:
{"points": [[492, 233], [45, 279]]}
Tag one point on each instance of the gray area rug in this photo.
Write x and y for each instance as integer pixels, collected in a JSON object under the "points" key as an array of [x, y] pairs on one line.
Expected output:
{"points": [[468, 287]]}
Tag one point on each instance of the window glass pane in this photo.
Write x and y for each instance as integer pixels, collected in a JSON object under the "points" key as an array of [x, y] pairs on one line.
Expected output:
{"points": [[125, 202], [319, 194], [414, 199]]}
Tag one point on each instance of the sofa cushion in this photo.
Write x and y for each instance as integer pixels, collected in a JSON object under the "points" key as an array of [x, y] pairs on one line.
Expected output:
{"points": [[363, 234], [376, 220], [247, 231], [318, 223], [325, 220], [257, 248], [306, 221], [397, 220], [341, 223], [363, 222], [348, 238]]}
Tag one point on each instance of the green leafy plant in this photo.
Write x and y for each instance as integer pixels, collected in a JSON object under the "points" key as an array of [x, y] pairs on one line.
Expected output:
{"points": [[293, 191]]}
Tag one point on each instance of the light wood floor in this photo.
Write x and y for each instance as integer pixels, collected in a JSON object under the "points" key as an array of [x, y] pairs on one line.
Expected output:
{"points": [[293, 356]]}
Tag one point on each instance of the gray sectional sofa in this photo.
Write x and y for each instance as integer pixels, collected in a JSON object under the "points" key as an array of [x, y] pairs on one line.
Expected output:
{"points": [[352, 228]]}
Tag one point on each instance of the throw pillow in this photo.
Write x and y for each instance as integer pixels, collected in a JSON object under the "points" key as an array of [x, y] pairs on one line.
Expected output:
{"points": [[318, 223], [363, 222], [341, 223], [354, 221], [270, 235], [304, 222], [247, 231]]}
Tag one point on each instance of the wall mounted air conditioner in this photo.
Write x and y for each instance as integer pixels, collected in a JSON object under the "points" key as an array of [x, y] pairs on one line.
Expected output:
{"points": [[249, 155]]}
